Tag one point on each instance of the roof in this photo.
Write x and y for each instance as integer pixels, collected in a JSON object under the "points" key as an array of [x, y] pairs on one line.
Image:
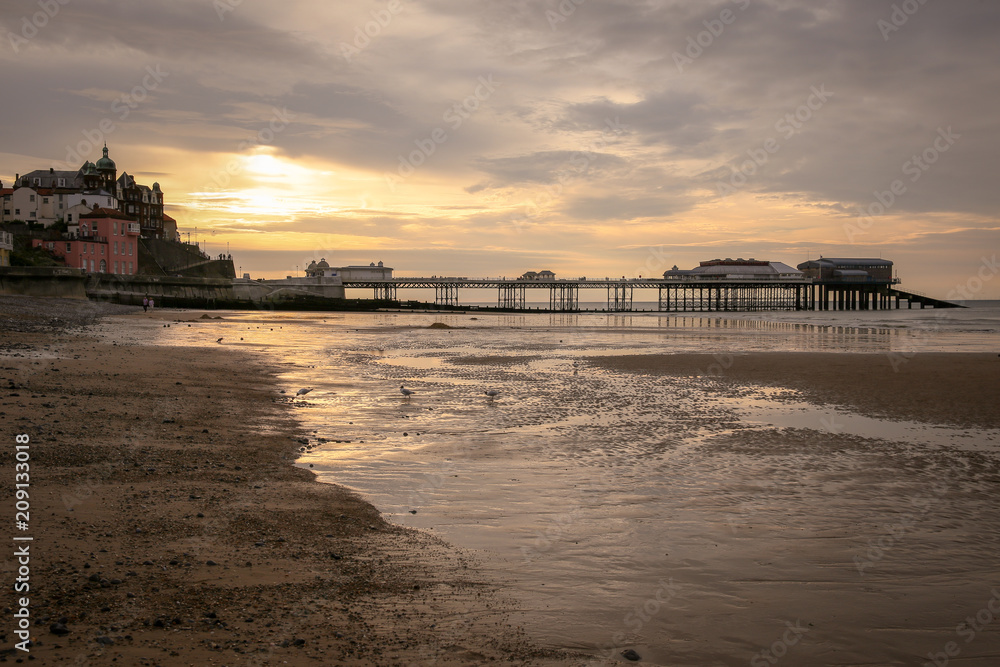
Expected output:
{"points": [[829, 262], [738, 267], [48, 178], [106, 162], [781, 267], [106, 213], [167, 218]]}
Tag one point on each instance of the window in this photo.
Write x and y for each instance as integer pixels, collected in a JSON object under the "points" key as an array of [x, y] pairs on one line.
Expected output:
{"points": [[130, 267], [115, 226], [17, 211], [45, 200], [31, 198], [31, 215], [60, 206], [92, 265], [102, 249], [62, 184], [116, 247], [116, 267], [69, 247], [130, 246]]}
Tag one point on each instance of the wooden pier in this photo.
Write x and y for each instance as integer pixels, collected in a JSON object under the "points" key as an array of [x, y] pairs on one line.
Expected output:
{"points": [[696, 296]]}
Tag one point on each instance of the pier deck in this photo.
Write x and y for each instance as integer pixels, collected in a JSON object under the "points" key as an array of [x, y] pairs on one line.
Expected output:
{"points": [[671, 295]]}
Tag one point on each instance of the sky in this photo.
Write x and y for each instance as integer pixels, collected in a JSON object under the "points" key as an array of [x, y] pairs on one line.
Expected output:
{"points": [[486, 138]]}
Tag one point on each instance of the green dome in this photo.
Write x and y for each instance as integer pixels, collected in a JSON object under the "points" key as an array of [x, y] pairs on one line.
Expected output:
{"points": [[106, 162]]}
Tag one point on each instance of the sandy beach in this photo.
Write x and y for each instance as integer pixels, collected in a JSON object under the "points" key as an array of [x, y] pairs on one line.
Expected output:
{"points": [[171, 528], [171, 525]]}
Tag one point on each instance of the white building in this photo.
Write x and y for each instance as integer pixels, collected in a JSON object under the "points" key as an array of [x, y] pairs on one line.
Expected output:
{"points": [[738, 270], [47, 206], [373, 271]]}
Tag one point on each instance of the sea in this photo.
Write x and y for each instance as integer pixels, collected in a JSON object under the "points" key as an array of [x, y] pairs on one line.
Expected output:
{"points": [[691, 521]]}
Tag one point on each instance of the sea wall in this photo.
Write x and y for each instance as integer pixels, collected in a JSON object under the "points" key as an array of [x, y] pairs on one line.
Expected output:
{"points": [[43, 281], [164, 290], [289, 289]]}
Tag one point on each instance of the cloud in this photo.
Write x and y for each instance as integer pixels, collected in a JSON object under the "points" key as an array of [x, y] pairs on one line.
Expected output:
{"points": [[542, 141]]}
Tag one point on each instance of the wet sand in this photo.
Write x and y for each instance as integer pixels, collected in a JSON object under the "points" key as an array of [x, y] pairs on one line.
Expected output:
{"points": [[753, 527], [171, 527], [961, 389]]}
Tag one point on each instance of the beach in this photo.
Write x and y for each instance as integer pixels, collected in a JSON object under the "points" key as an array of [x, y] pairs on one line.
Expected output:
{"points": [[170, 526], [624, 491]]}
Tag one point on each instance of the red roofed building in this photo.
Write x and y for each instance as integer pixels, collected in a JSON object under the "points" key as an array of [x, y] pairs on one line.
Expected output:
{"points": [[104, 241]]}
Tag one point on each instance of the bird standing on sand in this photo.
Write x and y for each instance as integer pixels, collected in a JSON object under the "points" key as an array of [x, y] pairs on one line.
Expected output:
{"points": [[492, 393], [218, 340], [303, 392], [405, 392]]}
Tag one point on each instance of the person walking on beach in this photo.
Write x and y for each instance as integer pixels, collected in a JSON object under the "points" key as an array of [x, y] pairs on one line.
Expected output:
{"points": [[150, 304], [145, 303]]}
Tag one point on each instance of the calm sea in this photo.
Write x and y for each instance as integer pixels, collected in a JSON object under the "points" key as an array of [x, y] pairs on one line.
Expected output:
{"points": [[695, 524]]}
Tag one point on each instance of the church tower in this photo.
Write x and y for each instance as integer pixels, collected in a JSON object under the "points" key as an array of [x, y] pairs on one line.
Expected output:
{"points": [[108, 171]]}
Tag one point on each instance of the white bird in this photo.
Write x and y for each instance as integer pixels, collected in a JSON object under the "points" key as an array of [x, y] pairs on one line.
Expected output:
{"points": [[405, 392], [492, 393], [303, 392]]}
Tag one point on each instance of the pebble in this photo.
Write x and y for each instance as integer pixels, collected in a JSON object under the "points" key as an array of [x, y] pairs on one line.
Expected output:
{"points": [[59, 629], [629, 654]]}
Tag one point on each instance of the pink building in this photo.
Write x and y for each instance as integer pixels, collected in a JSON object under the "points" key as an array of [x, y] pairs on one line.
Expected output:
{"points": [[104, 241]]}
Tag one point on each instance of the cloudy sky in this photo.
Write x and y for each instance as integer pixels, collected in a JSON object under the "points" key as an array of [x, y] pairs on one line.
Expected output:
{"points": [[485, 138]]}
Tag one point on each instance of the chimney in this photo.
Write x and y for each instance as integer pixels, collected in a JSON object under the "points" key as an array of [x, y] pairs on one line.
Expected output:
{"points": [[52, 170]]}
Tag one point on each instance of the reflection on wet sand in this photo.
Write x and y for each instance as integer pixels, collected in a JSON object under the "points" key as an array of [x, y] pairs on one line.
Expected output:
{"points": [[697, 516]]}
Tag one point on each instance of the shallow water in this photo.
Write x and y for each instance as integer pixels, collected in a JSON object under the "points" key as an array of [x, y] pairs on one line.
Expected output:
{"points": [[696, 524]]}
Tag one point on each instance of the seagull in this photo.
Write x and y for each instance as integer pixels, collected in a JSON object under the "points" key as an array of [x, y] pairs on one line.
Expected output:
{"points": [[303, 392], [492, 393], [405, 392]]}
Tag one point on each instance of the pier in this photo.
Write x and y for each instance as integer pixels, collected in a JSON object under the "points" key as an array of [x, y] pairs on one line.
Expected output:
{"points": [[670, 295]]}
